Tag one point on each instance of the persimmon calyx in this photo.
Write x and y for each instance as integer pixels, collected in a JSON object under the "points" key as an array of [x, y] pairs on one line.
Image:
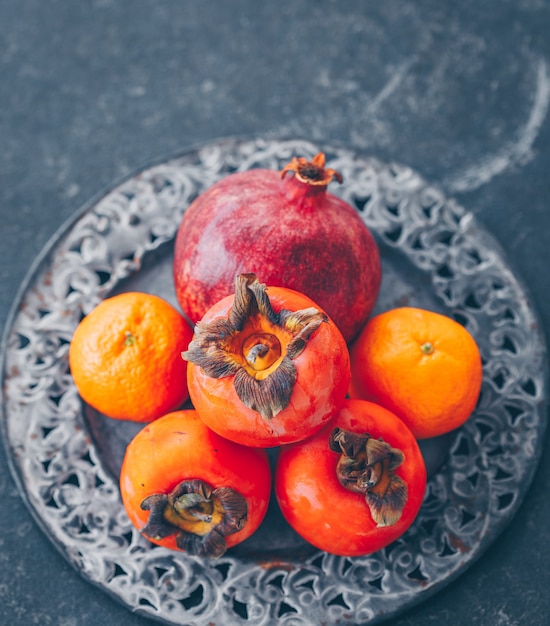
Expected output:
{"points": [[255, 345], [312, 172], [366, 465], [198, 515]]}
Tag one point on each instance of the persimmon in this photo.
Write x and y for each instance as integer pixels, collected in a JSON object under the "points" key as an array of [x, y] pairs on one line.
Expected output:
{"points": [[266, 366], [125, 357], [186, 488], [422, 365], [356, 485]]}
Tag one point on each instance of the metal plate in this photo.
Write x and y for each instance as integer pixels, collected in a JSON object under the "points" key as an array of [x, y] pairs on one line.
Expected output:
{"points": [[66, 458]]}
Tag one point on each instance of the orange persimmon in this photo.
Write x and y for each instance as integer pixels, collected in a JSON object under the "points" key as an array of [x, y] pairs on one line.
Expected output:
{"points": [[186, 488], [355, 486], [266, 366]]}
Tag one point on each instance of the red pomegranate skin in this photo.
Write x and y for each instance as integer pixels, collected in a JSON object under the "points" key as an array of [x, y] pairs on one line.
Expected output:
{"points": [[290, 234]]}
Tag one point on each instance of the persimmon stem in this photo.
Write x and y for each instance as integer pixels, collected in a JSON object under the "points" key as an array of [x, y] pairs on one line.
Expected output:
{"points": [[367, 466], [261, 350], [256, 345], [198, 515]]}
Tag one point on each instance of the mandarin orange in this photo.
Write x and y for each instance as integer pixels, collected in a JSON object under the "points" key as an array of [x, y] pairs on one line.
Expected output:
{"points": [[422, 365], [125, 357]]}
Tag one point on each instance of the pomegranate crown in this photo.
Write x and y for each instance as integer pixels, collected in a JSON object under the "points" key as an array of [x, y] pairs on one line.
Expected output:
{"points": [[312, 172]]}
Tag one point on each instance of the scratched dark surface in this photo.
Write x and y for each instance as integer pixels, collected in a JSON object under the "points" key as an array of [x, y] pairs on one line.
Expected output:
{"points": [[89, 92]]}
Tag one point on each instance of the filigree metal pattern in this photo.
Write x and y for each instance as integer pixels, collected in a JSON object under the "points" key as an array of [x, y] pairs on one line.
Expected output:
{"points": [[434, 255]]}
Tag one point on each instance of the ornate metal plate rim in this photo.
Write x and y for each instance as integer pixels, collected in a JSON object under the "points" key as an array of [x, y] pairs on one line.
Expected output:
{"points": [[415, 225]]}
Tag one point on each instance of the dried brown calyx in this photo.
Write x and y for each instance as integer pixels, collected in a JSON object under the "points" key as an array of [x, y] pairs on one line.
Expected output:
{"points": [[199, 516], [366, 465], [312, 172], [256, 345]]}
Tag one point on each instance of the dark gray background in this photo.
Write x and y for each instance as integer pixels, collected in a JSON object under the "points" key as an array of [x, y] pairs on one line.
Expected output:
{"points": [[460, 91]]}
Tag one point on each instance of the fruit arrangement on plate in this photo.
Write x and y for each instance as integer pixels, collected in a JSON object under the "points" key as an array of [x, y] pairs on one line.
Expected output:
{"points": [[275, 347]]}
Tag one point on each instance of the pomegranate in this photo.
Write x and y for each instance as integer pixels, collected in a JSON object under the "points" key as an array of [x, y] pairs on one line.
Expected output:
{"points": [[287, 228]]}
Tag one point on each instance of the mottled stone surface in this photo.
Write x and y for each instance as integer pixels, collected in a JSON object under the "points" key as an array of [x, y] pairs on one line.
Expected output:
{"points": [[91, 91]]}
